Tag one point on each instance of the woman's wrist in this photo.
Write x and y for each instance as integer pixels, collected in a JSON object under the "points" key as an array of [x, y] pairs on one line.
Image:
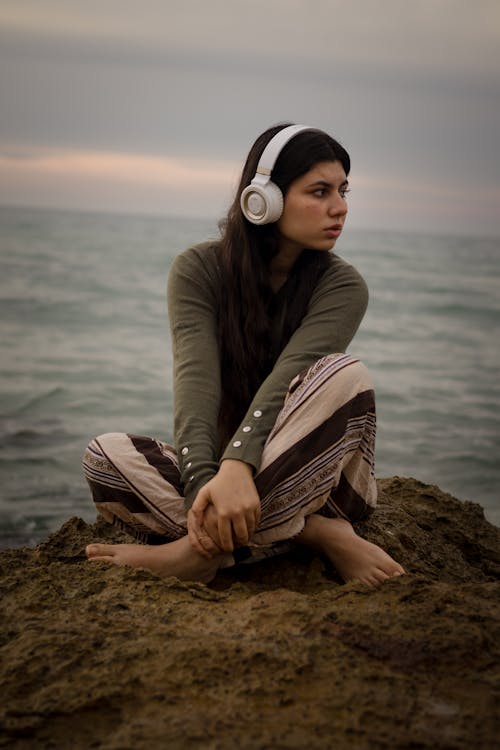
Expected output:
{"points": [[232, 466]]}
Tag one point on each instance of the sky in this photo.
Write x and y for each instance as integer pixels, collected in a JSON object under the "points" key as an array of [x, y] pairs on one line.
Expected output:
{"points": [[150, 106]]}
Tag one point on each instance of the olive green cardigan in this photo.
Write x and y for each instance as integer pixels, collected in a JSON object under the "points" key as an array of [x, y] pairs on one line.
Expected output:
{"points": [[336, 308]]}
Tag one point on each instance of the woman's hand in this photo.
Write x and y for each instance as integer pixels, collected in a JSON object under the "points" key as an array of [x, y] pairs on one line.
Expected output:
{"points": [[234, 496], [201, 537]]}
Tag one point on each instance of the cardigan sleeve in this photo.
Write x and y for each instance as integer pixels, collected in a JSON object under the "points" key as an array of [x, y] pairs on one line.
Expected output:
{"points": [[191, 295], [335, 311]]}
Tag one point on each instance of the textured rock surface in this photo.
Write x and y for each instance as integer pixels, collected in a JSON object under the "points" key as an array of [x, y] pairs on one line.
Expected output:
{"points": [[275, 655]]}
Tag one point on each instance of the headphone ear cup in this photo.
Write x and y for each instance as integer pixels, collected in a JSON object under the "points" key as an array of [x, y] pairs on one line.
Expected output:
{"points": [[274, 202], [262, 204]]}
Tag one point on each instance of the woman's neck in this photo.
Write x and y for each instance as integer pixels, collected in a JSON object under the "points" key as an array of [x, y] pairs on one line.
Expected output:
{"points": [[282, 264]]}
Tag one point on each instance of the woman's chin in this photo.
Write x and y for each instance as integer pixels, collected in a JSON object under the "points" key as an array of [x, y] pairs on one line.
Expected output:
{"points": [[324, 245]]}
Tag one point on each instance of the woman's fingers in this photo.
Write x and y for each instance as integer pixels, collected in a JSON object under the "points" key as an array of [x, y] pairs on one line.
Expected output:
{"points": [[244, 527], [208, 544], [199, 539], [242, 530], [237, 529], [225, 530], [211, 525], [196, 545], [200, 504]]}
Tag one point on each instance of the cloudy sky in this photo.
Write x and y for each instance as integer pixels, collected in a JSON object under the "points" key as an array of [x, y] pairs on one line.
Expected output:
{"points": [[150, 106]]}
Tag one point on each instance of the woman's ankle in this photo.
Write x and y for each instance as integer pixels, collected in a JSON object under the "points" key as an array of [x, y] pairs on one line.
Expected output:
{"points": [[317, 531]]}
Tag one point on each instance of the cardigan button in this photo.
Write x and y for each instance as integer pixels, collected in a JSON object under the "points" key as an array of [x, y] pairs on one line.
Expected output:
{"points": [[247, 428], [185, 450], [237, 444], [257, 413]]}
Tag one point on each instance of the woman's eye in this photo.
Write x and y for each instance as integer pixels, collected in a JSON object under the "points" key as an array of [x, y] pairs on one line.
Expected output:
{"points": [[320, 192], [343, 192]]}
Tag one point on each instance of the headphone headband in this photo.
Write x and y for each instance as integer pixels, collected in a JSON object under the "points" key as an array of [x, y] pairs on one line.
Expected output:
{"points": [[272, 150], [262, 201]]}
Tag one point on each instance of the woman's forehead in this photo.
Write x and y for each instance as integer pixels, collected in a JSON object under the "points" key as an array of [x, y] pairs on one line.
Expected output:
{"points": [[331, 172]]}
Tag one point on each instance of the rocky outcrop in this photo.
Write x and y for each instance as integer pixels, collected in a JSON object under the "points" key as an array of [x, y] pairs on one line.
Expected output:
{"points": [[273, 655]]}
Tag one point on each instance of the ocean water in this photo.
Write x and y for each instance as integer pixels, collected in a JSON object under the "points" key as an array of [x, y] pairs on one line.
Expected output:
{"points": [[85, 350]]}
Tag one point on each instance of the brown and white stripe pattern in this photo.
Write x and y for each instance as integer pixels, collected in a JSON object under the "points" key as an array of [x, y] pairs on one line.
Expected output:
{"points": [[136, 479], [319, 458], [320, 455]]}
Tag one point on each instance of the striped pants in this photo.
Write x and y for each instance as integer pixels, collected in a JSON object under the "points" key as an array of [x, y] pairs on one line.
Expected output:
{"points": [[318, 458]]}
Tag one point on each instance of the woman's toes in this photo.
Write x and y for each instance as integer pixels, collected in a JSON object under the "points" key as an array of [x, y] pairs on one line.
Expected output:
{"points": [[97, 550], [377, 577]]}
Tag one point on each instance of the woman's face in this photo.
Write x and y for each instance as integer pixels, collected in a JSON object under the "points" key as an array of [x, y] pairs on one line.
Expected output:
{"points": [[314, 209]]}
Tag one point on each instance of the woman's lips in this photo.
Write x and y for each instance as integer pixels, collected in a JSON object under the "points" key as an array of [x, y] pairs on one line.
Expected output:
{"points": [[334, 230]]}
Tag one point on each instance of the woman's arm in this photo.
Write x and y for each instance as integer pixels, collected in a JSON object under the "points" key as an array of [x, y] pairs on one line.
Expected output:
{"points": [[336, 309], [191, 295], [226, 497]]}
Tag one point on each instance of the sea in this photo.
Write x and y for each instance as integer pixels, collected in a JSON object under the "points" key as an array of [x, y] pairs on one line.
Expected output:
{"points": [[85, 349]]}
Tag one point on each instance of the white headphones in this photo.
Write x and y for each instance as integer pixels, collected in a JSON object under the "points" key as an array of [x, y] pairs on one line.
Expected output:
{"points": [[262, 201]]}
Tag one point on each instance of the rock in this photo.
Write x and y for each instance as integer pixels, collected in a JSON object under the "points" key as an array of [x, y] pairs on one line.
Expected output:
{"points": [[278, 654]]}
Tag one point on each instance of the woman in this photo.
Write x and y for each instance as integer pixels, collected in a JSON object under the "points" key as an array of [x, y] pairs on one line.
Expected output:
{"points": [[274, 424]]}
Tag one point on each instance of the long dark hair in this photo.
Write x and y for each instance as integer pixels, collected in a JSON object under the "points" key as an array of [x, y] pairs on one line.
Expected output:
{"points": [[245, 253]]}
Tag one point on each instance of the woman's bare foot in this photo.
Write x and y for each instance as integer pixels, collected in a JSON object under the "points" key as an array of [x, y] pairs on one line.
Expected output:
{"points": [[177, 559], [355, 558]]}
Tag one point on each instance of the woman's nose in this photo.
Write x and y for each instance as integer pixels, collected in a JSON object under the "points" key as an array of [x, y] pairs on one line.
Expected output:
{"points": [[338, 206]]}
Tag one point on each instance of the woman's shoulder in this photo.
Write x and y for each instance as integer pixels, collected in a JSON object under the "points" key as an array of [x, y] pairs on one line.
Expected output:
{"points": [[339, 277], [195, 272], [203, 254], [340, 271], [198, 261]]}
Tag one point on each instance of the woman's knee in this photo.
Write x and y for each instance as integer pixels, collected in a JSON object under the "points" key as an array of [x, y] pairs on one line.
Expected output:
{"points": [[331, 379], [353, 367], [106, 438], [100, 447], [95, 462]]}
